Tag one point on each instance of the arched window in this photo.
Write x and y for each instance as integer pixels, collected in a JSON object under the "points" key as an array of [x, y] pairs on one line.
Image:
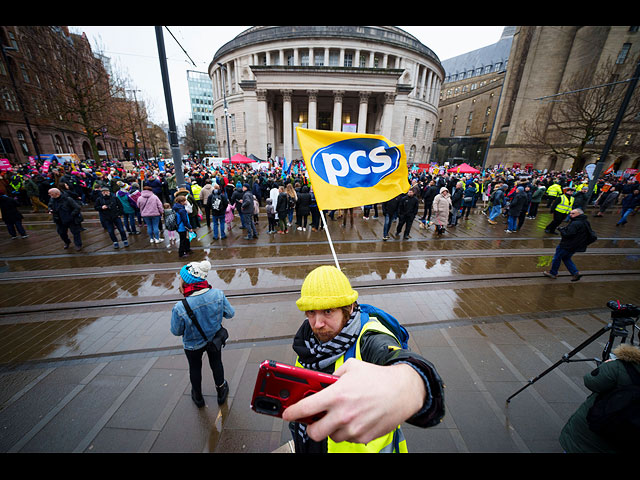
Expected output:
{"points": [[58, 144]]}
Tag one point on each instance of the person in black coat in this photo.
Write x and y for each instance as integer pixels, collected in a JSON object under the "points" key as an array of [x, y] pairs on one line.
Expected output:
{"points": [[407, 210], [456, 203], [429, 194], [11, 216], [303, 208], [390, 212], [282, 206], [67, 217], [110, 210], [576, 236]]}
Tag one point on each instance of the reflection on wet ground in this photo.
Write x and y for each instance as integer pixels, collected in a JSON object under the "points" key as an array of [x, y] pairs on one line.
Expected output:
{"points": [[88, 287]]}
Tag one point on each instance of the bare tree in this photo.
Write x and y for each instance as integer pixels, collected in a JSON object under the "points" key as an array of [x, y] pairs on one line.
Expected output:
{"points": [[75, 87], [197, 137], [576, 122]]}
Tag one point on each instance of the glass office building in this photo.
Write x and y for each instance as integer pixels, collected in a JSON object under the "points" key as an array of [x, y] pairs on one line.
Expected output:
{"points": [[201, 96]]}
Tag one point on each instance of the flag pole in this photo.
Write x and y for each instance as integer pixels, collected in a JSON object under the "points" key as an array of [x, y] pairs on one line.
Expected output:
{"points": [[326, 229]]}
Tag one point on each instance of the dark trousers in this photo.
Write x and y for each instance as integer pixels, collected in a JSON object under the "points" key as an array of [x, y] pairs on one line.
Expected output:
{"points": [[111, 225], [185, 244], [533, 209], [63, 228], [557, 220], [12, 226], [194, 357], [404, 222]]}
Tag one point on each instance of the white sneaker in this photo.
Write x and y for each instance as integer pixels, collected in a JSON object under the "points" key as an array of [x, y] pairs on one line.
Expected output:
{"points": [[300, 228], [160, 240], [151, 240]]}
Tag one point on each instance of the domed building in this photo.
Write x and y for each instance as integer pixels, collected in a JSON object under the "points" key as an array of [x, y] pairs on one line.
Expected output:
{"points": [[377, 80]]}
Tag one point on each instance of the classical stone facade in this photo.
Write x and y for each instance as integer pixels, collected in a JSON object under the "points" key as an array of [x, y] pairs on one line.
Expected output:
{"points": [[378, 80], [468, 102], [543, 59]]}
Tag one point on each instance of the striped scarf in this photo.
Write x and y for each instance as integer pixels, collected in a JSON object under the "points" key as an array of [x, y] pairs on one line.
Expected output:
{"points": [[317, 356]]}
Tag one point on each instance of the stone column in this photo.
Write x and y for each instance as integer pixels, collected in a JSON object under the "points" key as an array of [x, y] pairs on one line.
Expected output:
{"points": [[286, 124], [337, 110], [312, 112], [429, 96], [262, 124], [387, 114], [422, 83], [362, 114]]}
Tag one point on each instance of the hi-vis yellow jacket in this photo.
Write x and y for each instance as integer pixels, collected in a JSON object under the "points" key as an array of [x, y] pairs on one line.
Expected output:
{"points": [[393, 442]]}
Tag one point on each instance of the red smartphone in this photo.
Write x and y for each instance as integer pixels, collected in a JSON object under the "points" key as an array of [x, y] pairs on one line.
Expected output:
{"points": [[279, 386]]}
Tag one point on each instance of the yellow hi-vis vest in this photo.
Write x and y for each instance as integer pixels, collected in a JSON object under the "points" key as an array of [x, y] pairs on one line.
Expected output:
{"points": [[195, 189], [565, 205], [554, 190], [393, 442]]}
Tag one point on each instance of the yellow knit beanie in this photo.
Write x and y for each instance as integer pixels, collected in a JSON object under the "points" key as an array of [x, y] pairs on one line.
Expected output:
{"points": [[325, 287]]}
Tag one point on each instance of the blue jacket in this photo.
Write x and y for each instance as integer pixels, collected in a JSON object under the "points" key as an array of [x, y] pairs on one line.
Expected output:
{"points": [[209, 307], [182, 217]]}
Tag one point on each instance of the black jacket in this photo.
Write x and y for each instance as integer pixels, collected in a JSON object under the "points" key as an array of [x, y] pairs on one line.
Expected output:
{"points": [[65, 210], [575, 236], [408, 206], [517, 204], [304, 202], [114, 207], [390, 207], [429, 194], [219, 200]]}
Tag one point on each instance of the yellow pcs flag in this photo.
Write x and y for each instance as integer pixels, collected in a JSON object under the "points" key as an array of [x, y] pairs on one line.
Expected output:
{"points": [[352, 169]]}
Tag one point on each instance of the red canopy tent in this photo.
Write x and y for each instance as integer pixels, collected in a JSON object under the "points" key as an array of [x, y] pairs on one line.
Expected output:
{"points": [[463, 168], [238, 158]]}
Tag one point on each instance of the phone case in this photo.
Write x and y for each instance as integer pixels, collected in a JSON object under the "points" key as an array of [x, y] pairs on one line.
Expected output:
{"points": [[279, 386]]}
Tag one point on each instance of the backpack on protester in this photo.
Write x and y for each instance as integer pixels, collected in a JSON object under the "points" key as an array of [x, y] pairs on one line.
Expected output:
{"points": [[615, 415], [436, 410], [171, 221]]}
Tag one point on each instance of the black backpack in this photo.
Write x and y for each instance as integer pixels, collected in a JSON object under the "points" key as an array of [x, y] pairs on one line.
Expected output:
{"points": [[615, 415]]}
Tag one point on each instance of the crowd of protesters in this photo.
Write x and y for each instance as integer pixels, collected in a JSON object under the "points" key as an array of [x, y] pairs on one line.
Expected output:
{"points": [[147, 196]]}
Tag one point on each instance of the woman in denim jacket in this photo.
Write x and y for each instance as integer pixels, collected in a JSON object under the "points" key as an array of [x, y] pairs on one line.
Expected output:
{"points": [[209, 306]]}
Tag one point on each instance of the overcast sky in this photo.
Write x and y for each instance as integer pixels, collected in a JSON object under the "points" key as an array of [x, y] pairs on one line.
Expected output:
{"points": [[133, 51]]}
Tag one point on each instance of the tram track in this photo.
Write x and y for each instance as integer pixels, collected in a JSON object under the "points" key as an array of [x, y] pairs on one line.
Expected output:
{"points": [[459, 281]]}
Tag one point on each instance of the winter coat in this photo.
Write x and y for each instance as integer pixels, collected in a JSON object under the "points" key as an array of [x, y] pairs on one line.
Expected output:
{"points": [[149, 204], [205, 193], [217, 208], [247, 206], [467, 198], [390, 207], [127, 203], [536, 197], [408, 206], [576, 234], [456, 198], [576, 436], [429, 194], [181, 217], [9, 209], [65, 210], [518, 203], [630, 201], [282, 205], [113, 210], [304, 201], [441, 207]]}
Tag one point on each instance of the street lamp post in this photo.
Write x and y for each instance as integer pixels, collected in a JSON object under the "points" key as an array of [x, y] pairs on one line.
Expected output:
{"points": [[226, 109], [144, 145]]}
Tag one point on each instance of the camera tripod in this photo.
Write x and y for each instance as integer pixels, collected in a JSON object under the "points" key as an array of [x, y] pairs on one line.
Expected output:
{"points": [[617, 328]]}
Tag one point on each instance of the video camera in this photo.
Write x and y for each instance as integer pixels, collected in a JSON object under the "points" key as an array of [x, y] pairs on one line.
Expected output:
{"points": [[625, 311]]}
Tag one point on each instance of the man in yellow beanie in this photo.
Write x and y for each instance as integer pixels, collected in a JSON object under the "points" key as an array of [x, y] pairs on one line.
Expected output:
{"points": [[380, 387]]}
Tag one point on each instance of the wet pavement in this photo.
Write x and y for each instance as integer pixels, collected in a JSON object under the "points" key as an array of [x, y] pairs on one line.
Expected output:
{"points": [[87, 362]]}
